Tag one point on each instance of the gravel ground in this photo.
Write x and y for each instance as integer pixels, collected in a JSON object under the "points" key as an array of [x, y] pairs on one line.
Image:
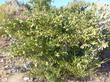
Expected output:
{"points": [[16, 69], [12, 69]]}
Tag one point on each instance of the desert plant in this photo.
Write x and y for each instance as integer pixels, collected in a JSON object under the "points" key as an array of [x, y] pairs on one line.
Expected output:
{"points": [[61, 42]]}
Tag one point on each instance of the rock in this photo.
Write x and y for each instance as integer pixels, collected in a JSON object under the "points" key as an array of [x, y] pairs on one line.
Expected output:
{"points": [[23, 70], [106, 54], [28, 65], [37, 79], [26, 78], [2, 60], [6, 67], [15, 69], [3, 79]]}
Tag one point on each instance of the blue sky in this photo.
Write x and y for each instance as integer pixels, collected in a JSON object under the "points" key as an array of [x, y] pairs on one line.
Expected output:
{"points": [[59, 3]]}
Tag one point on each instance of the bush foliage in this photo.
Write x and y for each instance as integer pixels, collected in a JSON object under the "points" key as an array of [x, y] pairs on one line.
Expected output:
{"points": [[62, 42]]}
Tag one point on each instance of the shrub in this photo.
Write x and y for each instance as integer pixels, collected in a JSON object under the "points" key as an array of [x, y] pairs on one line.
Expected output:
{"points": [[61, 42], [2, 18]]}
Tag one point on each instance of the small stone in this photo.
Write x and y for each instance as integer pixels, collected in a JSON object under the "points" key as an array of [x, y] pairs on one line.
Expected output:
{"points": [[8, 71], [34, 79], [5, 79], [28, 65], [16, 69], [6, 67], [2, 60], [23, 69], [26, 78]]}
